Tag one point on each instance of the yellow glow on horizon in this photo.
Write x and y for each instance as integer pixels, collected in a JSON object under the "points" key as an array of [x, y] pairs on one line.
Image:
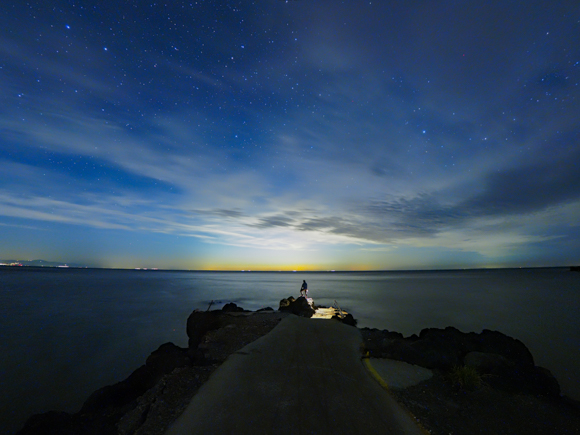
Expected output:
{"points": [[263, 267], [251, 261], [284, 267]]}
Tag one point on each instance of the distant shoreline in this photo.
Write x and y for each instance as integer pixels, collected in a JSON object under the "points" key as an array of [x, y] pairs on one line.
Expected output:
{"points": [[145, 269]]}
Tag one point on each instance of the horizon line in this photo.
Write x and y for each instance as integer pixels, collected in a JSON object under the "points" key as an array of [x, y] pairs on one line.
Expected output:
{"points": [[155, 269]]}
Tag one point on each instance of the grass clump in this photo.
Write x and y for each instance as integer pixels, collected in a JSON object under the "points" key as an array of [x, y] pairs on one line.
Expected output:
{"points": [[466, 378]]}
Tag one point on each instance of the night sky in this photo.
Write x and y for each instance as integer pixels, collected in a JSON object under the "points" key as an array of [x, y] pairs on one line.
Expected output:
{"points": [[309, 134]]}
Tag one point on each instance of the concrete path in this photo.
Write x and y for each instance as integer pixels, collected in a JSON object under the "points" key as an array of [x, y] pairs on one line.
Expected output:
{"points": [[304, 377]]}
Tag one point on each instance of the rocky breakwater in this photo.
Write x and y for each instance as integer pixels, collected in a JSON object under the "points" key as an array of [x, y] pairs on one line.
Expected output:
{"points": [[158, 391], [505, 362]]}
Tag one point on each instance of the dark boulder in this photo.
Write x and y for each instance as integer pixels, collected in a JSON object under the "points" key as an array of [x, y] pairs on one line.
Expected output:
{"points": [[347, 320], [302, 308], [510, 348], [372, 341], [525, 379], [167, 358], [452, 341], [435, 354], [199, 323], [299, 306], [231, 308], [266, 309], [392, 335], [107, 405], [285, 303], [379, 343], [162, 361], [506, 360], [487, 363], [120, 394], [450, 337], [440, 348], [545, 382], [400, 350], [429, 353]]}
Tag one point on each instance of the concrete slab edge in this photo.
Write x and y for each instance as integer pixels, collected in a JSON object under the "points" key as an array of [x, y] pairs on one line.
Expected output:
{"points": [[373, 372]]}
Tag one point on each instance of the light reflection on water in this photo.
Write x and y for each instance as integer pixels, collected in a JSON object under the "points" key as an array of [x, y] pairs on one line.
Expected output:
{"points": [[68, 332]]}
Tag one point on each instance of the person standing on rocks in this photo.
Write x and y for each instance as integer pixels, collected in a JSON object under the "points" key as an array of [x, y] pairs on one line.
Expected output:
{"points": [[304, 289]]}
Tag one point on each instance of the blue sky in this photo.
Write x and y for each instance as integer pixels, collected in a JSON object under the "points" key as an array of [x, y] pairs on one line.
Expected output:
{"points": [[291, 135]]}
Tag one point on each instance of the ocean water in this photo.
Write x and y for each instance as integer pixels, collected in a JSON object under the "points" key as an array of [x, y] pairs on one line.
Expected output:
{"points": [[67, 332]]}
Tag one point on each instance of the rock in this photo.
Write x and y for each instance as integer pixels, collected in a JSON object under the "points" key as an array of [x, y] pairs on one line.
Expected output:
{"points": [[285, 303], [436, 354], [231, 308], [49, 423], [162, 361], [440, 348], [134, 419], [266, 309], [299, 306], [347, 320], [379, 344], [166, 359], [372, 341], [302, 308], [507, 360], [120, 394], [401, 350], [546, 382], [392, 335], [456, 344], [197, 356], [511, 348], [450, 337], [199, 323], [487, 363], [100, 412], [525, 379]]}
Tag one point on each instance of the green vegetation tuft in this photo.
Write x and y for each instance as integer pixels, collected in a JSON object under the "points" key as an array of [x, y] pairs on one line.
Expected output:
{"points": [[466, 378]]}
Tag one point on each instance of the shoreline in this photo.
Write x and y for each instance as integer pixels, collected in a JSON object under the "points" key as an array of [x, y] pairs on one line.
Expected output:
{"points": [[571, 268], [157, 392]]}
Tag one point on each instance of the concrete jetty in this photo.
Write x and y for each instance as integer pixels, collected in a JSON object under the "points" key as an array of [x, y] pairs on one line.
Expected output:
{"points": [[304, 377]]}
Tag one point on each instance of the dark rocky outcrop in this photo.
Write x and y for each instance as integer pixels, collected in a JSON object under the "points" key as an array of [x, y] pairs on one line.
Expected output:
{"points": [[285, 303], [117, 397], [167, 358], [266, 309], [347, 320], [490, 363], [199, 323], [511, 348], [101, 411], [299, 306], [231, 308], [506, 361]]}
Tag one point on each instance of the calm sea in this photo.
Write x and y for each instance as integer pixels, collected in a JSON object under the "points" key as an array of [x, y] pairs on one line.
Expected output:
{"points": [[67, 332]]}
